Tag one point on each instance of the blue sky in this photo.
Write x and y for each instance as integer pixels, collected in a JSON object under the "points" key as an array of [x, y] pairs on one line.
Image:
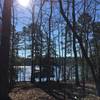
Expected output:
{"points": [[24, 16]]}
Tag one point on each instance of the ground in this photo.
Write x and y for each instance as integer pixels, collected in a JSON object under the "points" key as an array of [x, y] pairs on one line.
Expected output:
{"points": [[51, 91], [27, 91]]}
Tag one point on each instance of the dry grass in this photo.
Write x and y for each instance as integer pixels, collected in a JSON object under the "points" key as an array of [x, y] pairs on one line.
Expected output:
{"points": [[29, 92], [91, 97]]}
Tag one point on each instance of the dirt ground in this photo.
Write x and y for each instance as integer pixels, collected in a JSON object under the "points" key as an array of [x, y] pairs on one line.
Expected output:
{"points": [[28, 91]]}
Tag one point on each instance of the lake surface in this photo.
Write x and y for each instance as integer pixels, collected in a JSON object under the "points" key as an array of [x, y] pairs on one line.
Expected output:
{"points": [[24, 73]]}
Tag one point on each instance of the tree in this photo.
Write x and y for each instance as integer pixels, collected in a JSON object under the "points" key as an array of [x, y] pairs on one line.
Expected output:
{"points": [[74, 43], [49, 43], [4, 50], [88, 60], [84, 26]]}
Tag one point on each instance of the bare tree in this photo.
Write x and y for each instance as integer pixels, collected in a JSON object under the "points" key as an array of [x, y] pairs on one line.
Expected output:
{"points": [[4, 50], [89, 62]]}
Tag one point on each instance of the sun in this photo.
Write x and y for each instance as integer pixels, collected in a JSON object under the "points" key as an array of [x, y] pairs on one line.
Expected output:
{"points": [[24, 3]]}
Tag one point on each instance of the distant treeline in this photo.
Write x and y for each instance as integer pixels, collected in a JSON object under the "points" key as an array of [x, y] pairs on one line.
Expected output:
{"points": [[21, 61]]}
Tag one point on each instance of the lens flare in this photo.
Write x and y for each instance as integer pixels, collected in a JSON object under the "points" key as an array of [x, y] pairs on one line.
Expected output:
{"points": [[23, 3]]}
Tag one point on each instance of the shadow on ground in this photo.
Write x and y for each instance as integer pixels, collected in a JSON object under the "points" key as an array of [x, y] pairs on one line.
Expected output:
{"points": [[49, 91], [61, 91]]}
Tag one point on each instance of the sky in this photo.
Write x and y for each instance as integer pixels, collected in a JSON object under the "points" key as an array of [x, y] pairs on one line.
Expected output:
{"points": [[23, 15]]}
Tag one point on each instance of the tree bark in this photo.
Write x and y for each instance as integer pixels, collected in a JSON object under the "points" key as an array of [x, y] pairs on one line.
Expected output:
{"points": [[4, 50], [32, 49], [49, 43], [74, 44]]}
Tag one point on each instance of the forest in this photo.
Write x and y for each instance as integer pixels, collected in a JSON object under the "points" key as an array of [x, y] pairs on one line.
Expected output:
{"points": [[49, 49]]}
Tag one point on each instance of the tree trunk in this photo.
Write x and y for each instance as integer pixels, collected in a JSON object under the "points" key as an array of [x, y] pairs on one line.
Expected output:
{"points": [[4, 50], [49, 43], [32, 57], [98, 88], [32, 49], [12, 59], [74, 44]]}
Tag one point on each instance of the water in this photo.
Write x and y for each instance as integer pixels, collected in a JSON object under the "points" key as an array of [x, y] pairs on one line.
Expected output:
{"points": [[24, 73]]}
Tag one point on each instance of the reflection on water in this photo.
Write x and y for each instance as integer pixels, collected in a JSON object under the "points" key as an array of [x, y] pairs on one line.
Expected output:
{"points": [[24, 73]]}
